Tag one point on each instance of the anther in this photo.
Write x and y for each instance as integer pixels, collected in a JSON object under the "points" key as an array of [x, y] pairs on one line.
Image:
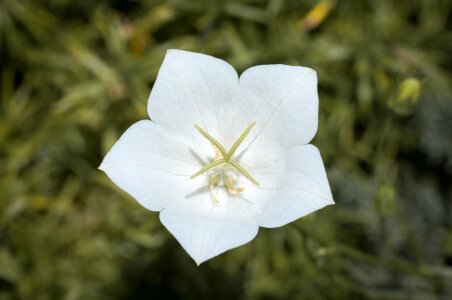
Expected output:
{"points": [[230, 187], [213, 183]]}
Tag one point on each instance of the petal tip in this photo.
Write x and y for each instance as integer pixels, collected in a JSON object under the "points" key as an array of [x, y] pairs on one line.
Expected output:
{"points": [[101, 167], [178, 51], [198, 262]]}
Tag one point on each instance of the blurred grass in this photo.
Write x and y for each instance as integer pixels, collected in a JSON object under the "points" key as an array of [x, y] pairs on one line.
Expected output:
{"points": [[76, 74]]}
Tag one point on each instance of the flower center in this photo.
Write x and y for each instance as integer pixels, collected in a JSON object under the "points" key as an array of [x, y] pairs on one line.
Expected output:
{"points": [[223, 163]]}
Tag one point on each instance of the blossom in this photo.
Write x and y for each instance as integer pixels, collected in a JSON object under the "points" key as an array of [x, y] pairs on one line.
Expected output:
{"points": [[223, 154]]}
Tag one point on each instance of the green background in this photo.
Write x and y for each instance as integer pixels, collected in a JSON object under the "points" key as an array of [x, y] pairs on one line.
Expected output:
{"points": [[75, 74]]}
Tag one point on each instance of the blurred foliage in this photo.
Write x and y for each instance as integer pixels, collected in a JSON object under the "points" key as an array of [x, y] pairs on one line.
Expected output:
{"points": [[75, 74]]}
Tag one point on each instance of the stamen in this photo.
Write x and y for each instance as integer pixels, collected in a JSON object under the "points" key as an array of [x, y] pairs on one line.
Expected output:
{"points": [[231, 189], [218, 154], [213, 184]]}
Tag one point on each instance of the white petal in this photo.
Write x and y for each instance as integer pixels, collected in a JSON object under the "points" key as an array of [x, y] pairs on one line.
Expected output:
{"points": [[192, 88], [287, 196], [205, 229], [151, 165], [283, 102]]}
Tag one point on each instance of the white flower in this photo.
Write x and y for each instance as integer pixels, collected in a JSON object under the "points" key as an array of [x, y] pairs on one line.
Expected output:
{"points": [[223, 155]]}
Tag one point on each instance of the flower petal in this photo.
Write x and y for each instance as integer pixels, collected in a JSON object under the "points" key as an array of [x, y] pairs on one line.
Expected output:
{"points": [[205, 229], [287, 196], [150, 165], [192, 88], [283, 102]]}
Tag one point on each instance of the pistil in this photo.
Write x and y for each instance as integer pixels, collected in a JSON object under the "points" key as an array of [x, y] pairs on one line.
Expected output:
{"points": [[225, 157]]}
